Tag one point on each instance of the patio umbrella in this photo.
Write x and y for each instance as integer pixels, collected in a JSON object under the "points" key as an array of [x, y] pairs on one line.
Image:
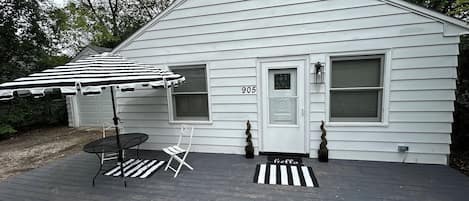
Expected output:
{"points": [[89, 76]]}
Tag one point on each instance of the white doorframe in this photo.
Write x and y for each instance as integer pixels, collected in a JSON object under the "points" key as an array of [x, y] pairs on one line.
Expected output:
{"points": [[305, 93]]}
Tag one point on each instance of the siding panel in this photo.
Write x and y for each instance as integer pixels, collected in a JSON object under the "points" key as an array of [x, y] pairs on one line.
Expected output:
{"points": [[418, 106], [365, 14], [266, 12]]}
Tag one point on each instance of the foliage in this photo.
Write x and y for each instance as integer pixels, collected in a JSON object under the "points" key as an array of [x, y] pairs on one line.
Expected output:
{"points": [[28, 112], [101, 22], [23, 41], [460, 136], [6, 129], [26, 46], [454, 8]]}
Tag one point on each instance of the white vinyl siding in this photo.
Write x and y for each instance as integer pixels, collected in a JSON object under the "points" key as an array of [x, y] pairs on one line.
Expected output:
{"points": [[231, 35]]}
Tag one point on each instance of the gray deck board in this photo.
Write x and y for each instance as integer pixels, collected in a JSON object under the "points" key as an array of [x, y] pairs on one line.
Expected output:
{"points": [[229, 177]]}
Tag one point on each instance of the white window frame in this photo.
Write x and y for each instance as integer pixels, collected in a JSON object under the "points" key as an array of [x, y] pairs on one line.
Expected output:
{"points": [[386, 68], [169, 96]]}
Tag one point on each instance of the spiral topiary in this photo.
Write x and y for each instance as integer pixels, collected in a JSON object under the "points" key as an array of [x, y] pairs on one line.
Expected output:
{"points": [[249, 148], [323, 152]]}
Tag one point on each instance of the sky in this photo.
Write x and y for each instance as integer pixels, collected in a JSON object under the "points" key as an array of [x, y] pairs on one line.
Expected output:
{"points": [[59, 3]]}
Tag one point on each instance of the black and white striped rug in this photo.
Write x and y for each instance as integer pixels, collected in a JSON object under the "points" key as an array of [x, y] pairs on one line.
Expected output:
{"points": [[293, 175], [136, 168]]}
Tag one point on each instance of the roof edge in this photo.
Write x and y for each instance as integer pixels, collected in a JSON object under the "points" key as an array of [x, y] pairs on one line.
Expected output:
{"points": [[430, 13], [142, 29]]}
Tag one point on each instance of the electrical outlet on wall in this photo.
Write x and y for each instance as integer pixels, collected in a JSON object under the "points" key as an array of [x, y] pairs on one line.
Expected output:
{"points": [[402, 148]]}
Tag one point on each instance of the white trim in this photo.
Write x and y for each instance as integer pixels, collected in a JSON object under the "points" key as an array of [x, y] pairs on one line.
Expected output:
{"points": [[140, 31], [385, 88], [209, 99], [260, 117], [429, 13], [307, 95]]}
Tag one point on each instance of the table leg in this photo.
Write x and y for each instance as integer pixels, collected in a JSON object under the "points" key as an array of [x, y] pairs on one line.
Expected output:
{"points": [[99, 170], [121, 162], [138, 151]]}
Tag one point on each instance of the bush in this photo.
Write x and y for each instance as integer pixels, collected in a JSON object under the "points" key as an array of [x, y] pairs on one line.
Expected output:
{"points": [[460, 135], [27, 113]]}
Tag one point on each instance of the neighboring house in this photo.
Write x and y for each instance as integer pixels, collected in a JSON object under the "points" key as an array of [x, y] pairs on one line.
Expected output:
{"points": [[389, 77], [89, 111]]}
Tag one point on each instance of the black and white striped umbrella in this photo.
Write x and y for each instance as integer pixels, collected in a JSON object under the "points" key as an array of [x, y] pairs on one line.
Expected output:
{"points": [[89, 76]]}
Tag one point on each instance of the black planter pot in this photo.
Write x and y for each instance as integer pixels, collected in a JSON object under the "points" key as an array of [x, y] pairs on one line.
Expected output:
{"points": [[249, 152], [323, 155]]}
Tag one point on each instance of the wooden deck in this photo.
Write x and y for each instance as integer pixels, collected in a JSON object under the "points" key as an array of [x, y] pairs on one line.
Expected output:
{"points": [[229, 177]]}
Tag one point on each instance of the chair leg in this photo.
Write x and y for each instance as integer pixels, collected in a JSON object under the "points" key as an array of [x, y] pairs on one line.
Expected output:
{"points": [[169, 163], [179, 169], [188, 166]]}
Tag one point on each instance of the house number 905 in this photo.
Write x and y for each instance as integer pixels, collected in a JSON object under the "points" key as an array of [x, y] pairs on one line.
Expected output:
{"points": [[249, 90]]}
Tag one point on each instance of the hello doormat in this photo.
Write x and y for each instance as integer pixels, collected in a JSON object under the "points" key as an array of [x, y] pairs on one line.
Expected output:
{"points": [[292, 175], [284, 160], [136, 168]]}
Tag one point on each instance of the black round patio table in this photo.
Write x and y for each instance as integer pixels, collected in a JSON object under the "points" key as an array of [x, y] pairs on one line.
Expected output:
{"points": [[109, 145]]}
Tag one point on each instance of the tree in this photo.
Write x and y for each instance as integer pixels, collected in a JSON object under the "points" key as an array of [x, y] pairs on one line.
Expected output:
{"points": [[26, 46], [455, 8], [23, 41], [104, 23]]}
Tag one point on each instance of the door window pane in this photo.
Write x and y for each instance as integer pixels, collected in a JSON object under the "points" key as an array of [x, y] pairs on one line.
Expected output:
{"points": [[283, 103], [356, 73], [282, 81], [283, 111]]}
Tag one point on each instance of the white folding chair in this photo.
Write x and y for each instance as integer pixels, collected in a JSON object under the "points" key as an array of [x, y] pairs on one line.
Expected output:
{"points": [[108, 156], [174, 151]]}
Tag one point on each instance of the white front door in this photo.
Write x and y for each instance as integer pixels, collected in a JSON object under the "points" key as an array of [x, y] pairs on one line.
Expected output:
{"points": [[283, 106]]}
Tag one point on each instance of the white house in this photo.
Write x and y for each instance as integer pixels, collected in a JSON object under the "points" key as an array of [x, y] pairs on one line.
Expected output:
{"points": [[387, 79]]}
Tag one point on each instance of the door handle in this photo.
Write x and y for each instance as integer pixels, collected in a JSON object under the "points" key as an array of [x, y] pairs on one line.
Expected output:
{"points": [[302, 112]]}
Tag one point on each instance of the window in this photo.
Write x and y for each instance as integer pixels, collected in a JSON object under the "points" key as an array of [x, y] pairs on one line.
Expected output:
{"points": [[282, 81], [356, 89], [190, 100]]}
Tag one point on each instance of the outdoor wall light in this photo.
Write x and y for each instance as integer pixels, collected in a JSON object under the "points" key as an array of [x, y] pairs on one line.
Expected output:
{"points": [[319, 73]]}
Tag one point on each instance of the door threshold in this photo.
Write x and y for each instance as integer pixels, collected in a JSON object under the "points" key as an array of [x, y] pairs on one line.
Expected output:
{"points": [[284, 154]]}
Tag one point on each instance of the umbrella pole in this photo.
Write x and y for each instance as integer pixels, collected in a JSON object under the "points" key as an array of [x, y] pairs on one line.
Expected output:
{"points": [[116, 125]]}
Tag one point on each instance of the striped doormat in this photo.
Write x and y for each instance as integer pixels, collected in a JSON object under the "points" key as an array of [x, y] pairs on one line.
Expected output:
{"points": [[136, 168], [292, 175]]}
